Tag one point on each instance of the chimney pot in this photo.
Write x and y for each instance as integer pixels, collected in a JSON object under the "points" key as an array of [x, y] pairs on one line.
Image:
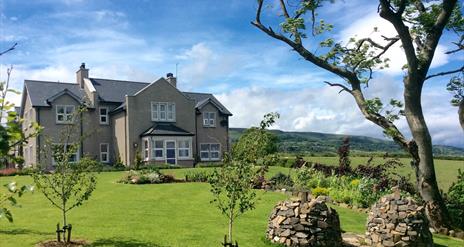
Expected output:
{"points": [[171, 79]]}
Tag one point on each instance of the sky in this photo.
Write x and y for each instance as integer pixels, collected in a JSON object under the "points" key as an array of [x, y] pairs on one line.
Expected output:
{"points": [[216, 50]]}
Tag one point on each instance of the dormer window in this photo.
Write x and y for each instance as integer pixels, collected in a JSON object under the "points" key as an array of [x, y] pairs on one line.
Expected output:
{"points": [[104, 115], [163, 111], [209, 119], [64, 114]]}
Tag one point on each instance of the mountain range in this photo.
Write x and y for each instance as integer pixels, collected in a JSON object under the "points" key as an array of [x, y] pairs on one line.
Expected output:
{"points": [[327, 144]]}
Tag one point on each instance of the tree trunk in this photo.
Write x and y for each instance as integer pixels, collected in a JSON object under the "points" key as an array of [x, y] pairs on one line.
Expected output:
{"points": [[231, 222], [461, 113], [422, 162]]}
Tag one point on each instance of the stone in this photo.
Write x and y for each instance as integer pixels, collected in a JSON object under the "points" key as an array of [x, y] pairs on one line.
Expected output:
{"points": [[388, 243], [299, 223], [395, 220]]}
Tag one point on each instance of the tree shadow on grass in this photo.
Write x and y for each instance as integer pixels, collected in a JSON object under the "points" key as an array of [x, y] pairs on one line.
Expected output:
{"points": [[21, 231], [122, 243]]}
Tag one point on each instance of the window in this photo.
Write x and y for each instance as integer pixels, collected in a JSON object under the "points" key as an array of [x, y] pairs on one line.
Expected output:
{"points": [[104, 115], [209, 119], [64, 113], [146, 149], [31, 152], [184, 149], [158, 149], [104, 152], [210, 151], [26, 154], [163, 111], [61, 151]]}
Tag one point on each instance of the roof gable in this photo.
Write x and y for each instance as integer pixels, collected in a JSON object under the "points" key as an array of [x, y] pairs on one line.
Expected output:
{"points": [[39, 92]]}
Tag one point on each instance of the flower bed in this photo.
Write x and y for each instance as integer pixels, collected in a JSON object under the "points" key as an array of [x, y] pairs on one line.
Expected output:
{"points": [[147, 177]]}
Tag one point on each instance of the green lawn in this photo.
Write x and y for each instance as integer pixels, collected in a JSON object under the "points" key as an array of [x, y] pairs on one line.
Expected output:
{"points": [[150, 215]]}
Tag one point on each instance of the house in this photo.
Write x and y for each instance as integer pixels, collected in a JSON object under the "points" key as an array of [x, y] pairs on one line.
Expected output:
{"points": [[126, 120]]}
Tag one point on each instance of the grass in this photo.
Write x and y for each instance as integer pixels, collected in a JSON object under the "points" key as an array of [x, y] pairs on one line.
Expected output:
{"points": [[125, 215]]}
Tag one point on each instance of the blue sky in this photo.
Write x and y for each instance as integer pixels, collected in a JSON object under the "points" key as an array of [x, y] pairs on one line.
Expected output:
{"points": [[217, 50]]}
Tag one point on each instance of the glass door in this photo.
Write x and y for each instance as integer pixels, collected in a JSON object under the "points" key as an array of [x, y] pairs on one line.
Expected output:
{"points": [[170, 152]]}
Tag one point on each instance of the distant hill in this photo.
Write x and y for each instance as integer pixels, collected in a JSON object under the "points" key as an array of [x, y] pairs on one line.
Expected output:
{"points": [[327, 144]]}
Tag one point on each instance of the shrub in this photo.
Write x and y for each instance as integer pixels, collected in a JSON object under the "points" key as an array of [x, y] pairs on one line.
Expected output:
{"points": [[209, 164], [197, 176], [455, 201], [320, 191], [281, 180], [146, 177]]}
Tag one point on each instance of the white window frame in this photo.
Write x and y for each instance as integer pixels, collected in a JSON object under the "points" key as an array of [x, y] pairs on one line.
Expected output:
{"points": [[209, 151], [209, 121], [156, 111], [189, 149], [106, 116], [154, 149], [107, 152], [31, 152], [65, 115], [146, 148], [65, 145]]}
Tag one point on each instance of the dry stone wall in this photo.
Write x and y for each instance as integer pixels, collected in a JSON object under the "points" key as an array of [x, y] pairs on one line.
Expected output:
{"points": [[398, 221], [301, 223]]}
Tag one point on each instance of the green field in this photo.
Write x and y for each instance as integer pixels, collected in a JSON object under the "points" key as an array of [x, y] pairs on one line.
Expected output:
{"points": [[446, 170], [151, 215]]}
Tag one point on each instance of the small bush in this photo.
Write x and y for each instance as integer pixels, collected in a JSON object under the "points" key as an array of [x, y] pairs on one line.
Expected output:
{"points": [[320, 191], [455, 201], [146, 177], [197, 176], [210, 164], [281, 180]]}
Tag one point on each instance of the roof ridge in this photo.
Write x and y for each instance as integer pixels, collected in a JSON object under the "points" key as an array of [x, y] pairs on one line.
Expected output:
{"points": [[56, 82], [119, 80], [198, 93]]}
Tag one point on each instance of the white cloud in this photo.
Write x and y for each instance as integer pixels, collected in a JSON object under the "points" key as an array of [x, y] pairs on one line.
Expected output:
{"points": [[324, 110], [364, 27]]}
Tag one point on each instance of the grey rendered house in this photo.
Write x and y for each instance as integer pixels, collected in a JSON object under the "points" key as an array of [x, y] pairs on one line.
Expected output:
{"points": [[155, 121]]}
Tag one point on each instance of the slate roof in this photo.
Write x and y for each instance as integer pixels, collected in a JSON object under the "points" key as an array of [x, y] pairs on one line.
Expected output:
{"points": [[108, 91], [114, 90], [165, 129], [201, 98], [40, 91]]}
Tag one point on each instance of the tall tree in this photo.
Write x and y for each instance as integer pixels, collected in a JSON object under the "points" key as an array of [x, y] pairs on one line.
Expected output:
{"points": [[419, 28]]}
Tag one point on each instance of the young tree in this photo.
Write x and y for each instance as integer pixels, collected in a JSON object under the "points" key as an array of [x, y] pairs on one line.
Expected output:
{"points": [[11, 137], [418, 28], [257, 143], [72, 181], [232, 184]]}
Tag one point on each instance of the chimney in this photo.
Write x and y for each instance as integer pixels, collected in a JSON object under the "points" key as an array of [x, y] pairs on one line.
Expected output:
{"points": [[171, 79], [81, 74]]}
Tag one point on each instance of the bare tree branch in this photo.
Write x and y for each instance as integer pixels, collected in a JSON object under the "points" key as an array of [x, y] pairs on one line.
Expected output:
{"points": [[9, 49], [284, 9], [445, 73], [434, 35], [403, 32], [344, 88], [459, 44]]}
